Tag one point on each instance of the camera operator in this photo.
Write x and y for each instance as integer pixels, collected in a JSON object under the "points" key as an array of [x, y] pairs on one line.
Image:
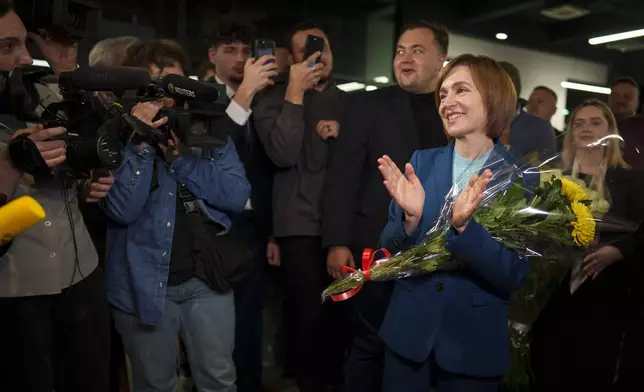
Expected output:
{"points": [[53, 310], [170, 241], [244, 77]]}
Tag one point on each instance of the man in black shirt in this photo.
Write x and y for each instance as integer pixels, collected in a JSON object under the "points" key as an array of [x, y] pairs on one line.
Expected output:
{"points": [[182, 265], [427, 119], [394, 121]]}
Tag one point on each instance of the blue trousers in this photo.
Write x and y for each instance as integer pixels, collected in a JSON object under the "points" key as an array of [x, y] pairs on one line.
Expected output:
{"points": [[402, 375], [205, 321]]}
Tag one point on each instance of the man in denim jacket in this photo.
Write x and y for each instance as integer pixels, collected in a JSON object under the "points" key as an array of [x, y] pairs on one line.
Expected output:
{"points": [[152, 248]]}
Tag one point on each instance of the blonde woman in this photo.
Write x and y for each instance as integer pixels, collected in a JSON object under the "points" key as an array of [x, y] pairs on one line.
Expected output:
{"points": [[578, 337]]}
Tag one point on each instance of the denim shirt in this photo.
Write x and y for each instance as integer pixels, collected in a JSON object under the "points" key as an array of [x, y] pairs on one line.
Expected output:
{"points": [[141, 227]]}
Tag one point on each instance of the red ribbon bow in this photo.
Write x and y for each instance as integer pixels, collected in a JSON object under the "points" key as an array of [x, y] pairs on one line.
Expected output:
{"points": [[368, 257]]}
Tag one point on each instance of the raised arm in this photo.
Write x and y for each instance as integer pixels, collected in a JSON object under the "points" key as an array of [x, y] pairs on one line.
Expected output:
{"points": [[279, 116], [406, 208]]}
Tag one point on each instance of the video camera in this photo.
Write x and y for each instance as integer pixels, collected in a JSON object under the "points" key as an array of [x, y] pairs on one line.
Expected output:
{"points": [[95, 129], [197, 106], [89, 143]]}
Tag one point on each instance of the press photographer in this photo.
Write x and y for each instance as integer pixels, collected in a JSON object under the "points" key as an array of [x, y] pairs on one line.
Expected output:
{"points": [[53, 310], [173, 255]]}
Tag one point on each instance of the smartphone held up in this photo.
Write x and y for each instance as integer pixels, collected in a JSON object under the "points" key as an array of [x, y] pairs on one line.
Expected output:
{"points": [[314, 44], [264, 47]]}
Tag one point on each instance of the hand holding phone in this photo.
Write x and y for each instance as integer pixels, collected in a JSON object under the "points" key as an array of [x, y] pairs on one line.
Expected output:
{"points": [[259, 72], [303, 77]]}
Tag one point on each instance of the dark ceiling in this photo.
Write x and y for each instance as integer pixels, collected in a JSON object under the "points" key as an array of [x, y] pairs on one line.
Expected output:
{"points": [[552, 25], [555, 26], [566, 30]]}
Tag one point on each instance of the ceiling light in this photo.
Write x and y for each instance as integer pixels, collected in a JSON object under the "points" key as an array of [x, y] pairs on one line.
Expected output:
{"points": [[586, 87], [616, 37], [381, 79], [40, 63], [501, 36], [371, 88], [351, 86]]}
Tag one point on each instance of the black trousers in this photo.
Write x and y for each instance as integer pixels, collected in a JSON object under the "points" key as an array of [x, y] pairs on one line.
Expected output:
{"points": [[316, 335], [367, 353], [365, 364], [59, 342], [250, 296]]}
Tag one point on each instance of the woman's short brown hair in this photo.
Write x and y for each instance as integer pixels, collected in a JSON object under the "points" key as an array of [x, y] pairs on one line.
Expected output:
{"points": [[494, 85]]}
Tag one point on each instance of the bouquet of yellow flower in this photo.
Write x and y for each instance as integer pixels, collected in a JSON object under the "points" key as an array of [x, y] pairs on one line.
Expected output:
{"points": [[552, 223], [548, 222]]}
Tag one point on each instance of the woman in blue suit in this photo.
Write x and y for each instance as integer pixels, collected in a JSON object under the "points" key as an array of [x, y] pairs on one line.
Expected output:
{"points": [[448, 330]]}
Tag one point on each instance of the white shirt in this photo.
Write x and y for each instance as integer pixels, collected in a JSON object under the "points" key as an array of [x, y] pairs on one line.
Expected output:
{"points": [[240, 116], [236, 113]]}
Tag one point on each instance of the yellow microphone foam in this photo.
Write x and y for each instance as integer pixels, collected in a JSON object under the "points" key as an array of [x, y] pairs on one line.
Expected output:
{"points": [[17, 216]]}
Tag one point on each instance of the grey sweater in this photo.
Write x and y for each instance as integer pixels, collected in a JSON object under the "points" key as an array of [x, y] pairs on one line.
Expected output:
{"points": [[287, 132]]}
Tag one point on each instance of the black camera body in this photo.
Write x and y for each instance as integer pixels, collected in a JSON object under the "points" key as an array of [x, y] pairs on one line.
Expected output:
{"points": [[90, 145], [95, 126], [195, 127], [191, 120]]}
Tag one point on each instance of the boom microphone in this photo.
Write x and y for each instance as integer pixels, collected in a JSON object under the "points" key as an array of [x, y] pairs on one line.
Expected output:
{"points": [[106, 79], [181, 87]]}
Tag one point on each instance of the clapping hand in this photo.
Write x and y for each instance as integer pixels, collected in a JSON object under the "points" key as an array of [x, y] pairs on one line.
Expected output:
{"points": [[469, 200], [407, 191]]}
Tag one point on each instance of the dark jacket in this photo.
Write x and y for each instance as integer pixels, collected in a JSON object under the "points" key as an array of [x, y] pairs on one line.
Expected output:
{"points": [[529, 133], [259, 172], [632, 130], [287, 132], [606, 311], [355, 200]]}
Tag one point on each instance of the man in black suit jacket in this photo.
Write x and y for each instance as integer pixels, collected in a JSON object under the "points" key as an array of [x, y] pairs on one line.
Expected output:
{"points": [[394, 121], [244, 79]]}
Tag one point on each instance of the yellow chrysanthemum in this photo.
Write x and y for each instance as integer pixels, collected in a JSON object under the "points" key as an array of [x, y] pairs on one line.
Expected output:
{"points": [[583, 232], [572, 190]]}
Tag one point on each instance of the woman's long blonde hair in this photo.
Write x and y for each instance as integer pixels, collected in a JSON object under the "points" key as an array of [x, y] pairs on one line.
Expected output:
{"points": [[612, 152]]}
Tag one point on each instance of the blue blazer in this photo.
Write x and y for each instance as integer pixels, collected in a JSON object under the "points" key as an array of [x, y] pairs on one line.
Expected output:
{"points": [[461, 316]]}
